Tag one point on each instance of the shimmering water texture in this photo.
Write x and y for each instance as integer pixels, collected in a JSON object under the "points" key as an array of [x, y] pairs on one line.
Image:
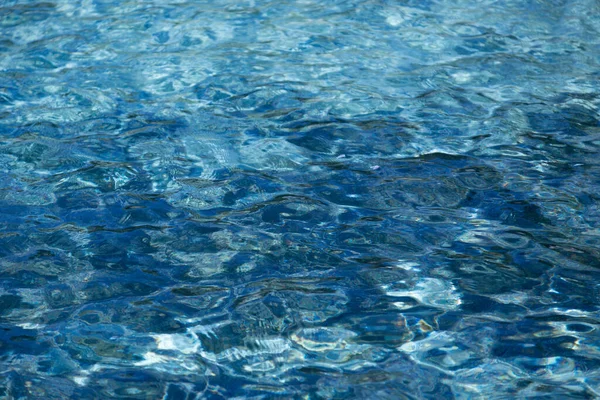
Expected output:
{"points": [[309, 199]]}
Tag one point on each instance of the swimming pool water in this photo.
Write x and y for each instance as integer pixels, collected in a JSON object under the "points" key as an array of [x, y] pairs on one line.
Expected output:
{"points": [[299, 199]]}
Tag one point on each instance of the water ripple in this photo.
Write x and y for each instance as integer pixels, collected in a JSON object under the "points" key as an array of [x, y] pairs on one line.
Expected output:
{"points": [[342, 199]]}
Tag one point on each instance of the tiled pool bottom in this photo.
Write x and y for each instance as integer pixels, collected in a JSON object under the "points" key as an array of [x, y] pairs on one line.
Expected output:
{"points": [[312, 200]]}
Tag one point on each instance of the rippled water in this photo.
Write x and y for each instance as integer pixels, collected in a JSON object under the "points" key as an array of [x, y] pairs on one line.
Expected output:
{"points": [[299, 199]]}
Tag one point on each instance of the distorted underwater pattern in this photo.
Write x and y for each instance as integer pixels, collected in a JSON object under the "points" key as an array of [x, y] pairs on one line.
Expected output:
{"points": [[255, 199]]}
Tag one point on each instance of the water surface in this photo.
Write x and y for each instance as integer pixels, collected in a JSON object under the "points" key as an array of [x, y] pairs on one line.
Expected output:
{"points": [[299, 199]]}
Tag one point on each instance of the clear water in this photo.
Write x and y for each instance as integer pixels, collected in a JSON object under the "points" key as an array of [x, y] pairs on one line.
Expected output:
{"points": [[299, 199]]}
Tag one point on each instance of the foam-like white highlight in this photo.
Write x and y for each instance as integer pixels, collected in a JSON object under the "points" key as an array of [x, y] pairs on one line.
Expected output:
{"points": [[151, 358], [432, 292], [181, 343]]}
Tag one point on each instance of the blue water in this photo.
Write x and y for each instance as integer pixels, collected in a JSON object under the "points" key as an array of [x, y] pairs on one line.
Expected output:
{"points": [[303, 199]]}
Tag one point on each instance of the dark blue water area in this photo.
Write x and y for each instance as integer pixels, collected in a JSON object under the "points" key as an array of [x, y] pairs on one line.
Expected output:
{"points": [[253, 199]]}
